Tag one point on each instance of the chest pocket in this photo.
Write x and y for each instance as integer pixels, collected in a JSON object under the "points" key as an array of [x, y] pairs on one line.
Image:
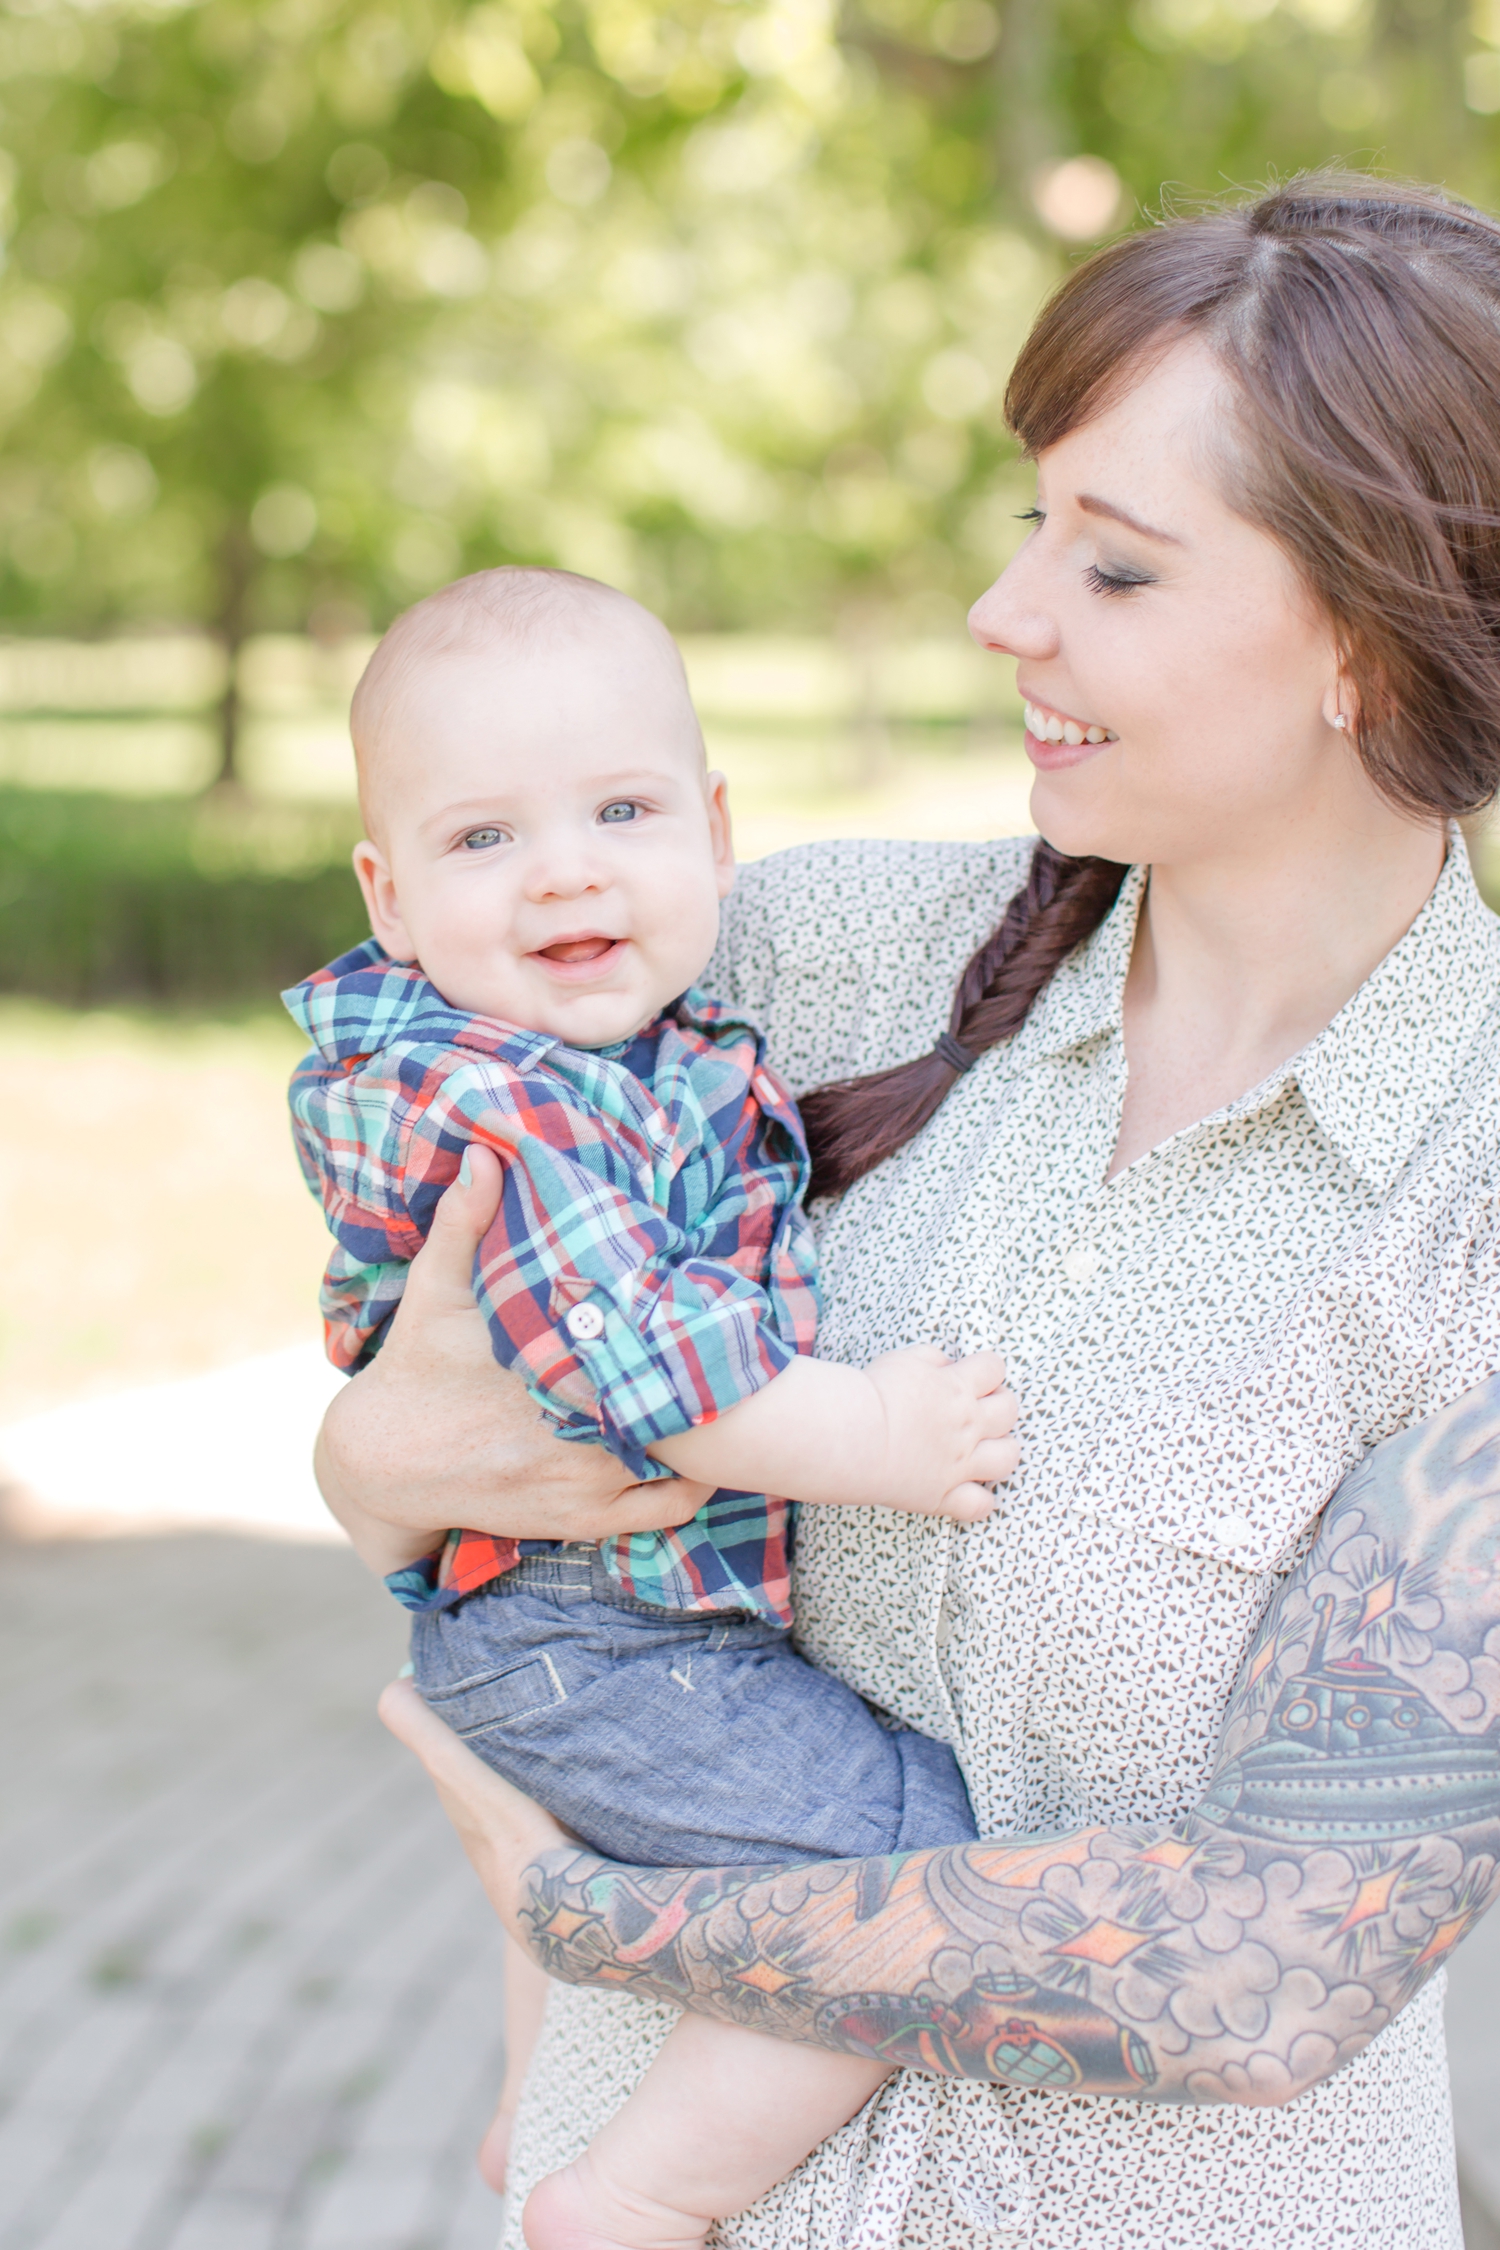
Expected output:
{"points": [[1237, 1470]]}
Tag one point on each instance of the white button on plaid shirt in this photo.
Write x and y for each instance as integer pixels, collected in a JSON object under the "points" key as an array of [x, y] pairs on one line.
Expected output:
{"points": [[1202, 1347]]}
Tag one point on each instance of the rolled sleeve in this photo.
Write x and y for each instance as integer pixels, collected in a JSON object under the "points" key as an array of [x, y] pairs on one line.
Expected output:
{"points": [[593, 1294], [664, 1350]]}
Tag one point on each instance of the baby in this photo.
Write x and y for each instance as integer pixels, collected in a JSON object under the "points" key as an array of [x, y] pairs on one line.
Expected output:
{"points": [[544, 866]]}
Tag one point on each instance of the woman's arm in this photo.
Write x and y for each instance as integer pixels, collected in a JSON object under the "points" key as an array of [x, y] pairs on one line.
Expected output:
{"points": [[435, 1433], [1347, 1842]]}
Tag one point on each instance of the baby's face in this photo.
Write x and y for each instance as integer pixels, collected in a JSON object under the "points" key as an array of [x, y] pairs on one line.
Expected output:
{"points": [[552, 851]]}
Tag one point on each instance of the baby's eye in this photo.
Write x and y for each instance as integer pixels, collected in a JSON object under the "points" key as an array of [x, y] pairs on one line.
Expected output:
{"points": [[623, 808], [480, 839]]}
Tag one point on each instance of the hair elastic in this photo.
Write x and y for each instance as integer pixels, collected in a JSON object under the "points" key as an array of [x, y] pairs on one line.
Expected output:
{"points": [[954, 1053]]}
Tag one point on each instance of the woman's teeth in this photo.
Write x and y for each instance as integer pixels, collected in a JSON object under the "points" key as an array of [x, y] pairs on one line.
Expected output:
{"points": [[1046, 726]]}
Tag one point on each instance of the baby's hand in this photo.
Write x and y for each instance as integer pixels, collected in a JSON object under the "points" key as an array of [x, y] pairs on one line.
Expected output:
{"points": [[948, 1431]]}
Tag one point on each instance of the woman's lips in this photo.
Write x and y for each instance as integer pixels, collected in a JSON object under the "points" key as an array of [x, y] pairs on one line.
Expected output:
{"points": [[1058, 738], [1051, 757], [580, 960]]}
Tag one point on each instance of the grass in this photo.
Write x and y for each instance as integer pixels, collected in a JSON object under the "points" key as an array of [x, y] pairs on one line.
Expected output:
{"points": [[210, 899], [155, 1219]]}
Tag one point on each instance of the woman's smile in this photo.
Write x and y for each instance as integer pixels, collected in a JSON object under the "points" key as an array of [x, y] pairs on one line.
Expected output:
{"points": [[1054, 740]]}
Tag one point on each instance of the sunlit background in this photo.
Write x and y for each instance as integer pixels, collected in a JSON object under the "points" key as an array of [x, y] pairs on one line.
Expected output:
{"points": [[307, 306]]}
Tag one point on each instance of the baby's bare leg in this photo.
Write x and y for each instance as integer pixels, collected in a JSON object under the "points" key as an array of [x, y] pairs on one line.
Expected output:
{"points": [[719, 2118], [525, 1997]]}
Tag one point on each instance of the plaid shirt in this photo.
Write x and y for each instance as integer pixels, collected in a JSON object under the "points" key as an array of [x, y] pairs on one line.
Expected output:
{"points": [[649, 1267]]}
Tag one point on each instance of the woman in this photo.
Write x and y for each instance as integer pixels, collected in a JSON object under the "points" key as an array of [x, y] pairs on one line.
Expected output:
{"points": [[1210, 1148]]}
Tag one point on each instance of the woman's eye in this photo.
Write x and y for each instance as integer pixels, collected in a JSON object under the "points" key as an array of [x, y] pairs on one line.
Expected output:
{"points": [[1031, 515], [623, 808], [1115, 581], [480, 839]]}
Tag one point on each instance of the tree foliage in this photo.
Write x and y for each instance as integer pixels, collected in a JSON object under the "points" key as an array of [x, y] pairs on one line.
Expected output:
{"points": [[310, 304]]}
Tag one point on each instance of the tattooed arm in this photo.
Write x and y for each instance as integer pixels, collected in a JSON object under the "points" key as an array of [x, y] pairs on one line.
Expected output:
{"points": [[1348, 1839]]}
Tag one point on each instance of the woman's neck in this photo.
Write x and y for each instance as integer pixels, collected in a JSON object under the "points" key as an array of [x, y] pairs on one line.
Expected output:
{"points": [[1239, 964]]}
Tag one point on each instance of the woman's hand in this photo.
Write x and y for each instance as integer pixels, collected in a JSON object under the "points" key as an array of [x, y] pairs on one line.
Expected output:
{"points": [[435, 1433], [501, 1831]]}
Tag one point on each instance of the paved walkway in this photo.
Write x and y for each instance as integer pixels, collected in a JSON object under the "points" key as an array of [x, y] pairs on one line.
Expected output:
{"points": [[249, 1994]]}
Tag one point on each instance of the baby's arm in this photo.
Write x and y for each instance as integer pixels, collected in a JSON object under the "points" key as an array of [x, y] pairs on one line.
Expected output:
{"points": [[593, 1295], [914, 1430]]}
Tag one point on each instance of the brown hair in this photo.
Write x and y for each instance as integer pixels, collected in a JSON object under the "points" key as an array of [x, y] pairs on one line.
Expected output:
{"points": [[1359, 320]]}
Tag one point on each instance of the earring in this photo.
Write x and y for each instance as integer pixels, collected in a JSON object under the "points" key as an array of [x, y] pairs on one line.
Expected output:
{"points": [[1341, 722]]}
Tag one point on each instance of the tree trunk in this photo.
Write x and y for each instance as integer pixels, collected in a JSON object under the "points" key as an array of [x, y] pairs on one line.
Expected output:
{"points": [[1028, 131], [234, 595]]}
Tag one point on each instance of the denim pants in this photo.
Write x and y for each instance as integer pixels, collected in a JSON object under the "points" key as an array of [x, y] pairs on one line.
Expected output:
{"points": [[676, 1738]]}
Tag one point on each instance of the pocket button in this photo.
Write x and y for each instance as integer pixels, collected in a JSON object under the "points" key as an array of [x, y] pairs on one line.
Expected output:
{"points": [[584, 1323], [1231, 1531]]}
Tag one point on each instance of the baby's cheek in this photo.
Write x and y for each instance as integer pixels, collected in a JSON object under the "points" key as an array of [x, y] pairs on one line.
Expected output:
{"points": [[680, 911]]}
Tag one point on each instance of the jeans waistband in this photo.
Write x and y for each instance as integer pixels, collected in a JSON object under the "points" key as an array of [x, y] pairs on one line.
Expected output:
{"points": [[575, 1571]]}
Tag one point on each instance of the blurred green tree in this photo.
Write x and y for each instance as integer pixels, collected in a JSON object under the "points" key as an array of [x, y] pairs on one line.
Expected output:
{"points": [[310, 304]]}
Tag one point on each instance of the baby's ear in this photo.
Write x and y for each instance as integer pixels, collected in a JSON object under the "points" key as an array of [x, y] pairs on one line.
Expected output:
{"points": [[381, 904], [721, 829]]}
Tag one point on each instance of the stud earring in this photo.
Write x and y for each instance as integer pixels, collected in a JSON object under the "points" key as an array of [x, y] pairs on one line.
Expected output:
{"points": [[1341, 722]]}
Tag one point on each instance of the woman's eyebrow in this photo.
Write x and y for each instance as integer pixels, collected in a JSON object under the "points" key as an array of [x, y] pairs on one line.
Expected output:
{"points": [[1093, 506]]}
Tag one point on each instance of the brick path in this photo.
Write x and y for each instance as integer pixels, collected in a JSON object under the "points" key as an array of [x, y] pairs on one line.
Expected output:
{"points": [[249, 1995]]}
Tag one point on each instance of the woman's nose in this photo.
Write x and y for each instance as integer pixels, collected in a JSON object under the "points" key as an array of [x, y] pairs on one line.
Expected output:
{"points": [[1010, 619]]}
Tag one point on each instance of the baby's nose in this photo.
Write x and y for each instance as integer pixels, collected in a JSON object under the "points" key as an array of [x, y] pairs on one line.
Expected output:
{"points": [[561, 867]]}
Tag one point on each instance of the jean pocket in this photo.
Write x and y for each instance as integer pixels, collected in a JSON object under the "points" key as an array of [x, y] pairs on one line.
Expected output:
{"points": [[501, 1698]]}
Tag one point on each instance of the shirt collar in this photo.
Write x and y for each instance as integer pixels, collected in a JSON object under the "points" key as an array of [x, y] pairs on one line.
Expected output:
{"points": [[1085, 996], [364, 1001], [1389, 1059], [1379, 1071]]}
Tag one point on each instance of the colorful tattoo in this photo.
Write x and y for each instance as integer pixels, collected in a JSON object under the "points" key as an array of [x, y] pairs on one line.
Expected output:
{"points": [[1348, 1839]]}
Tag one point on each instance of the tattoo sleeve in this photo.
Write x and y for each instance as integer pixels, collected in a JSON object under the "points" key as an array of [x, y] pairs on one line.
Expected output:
{"points": [[1347, 1840]]}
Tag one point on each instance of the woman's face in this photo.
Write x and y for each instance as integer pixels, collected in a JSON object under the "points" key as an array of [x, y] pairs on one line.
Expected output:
{"points": [[1143, 606]]}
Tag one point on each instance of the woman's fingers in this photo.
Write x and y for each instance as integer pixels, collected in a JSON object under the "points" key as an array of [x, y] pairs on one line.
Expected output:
{"points": [[443, 1269], [499, 1828], [660, 1504]]}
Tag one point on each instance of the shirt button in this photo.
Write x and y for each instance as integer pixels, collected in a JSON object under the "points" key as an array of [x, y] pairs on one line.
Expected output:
{"points": [[584, 1323], [1081, 1265], [1232, 1531]]}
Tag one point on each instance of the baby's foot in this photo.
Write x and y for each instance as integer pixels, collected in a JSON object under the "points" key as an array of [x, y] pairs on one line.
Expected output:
{"points": [[493, 2156], [574, 2210]]}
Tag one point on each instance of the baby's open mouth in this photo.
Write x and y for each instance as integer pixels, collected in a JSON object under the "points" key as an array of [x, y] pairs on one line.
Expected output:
{"points": [[571, 951]]}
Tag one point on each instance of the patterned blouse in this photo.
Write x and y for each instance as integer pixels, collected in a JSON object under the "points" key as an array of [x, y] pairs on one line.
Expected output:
{"points": [[1202, 1347], [650, 1266]]}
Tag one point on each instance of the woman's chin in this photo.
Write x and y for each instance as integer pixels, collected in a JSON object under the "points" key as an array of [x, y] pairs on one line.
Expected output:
{"points": [[1063, 818]]}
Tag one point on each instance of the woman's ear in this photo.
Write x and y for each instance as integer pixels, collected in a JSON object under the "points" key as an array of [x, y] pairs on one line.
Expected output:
{"points": [[722, 832], [379, 887]]}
